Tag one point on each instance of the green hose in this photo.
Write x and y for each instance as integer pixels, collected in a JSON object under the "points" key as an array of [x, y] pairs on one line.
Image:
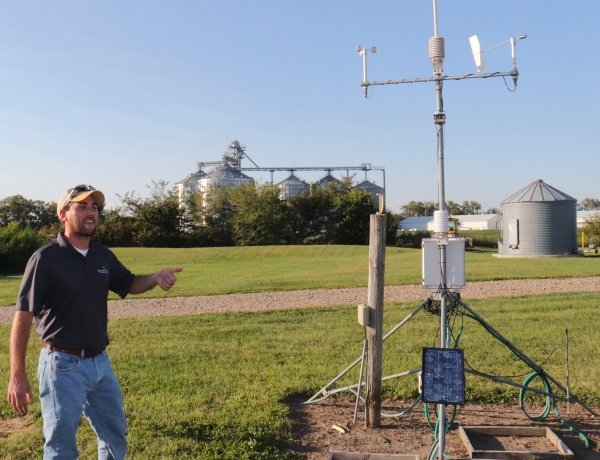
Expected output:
{"points": [[428, 418], [550, 404], [405, 411]]}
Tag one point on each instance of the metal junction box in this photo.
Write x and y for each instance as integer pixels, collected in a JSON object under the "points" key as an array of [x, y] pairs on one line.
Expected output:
{"points": [[455, 263]]}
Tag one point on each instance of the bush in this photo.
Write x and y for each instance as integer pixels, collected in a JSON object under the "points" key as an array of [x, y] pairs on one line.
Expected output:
{"points": [[16, 246], [592, 228], [482, 238], [479, 238], [406, 239]]}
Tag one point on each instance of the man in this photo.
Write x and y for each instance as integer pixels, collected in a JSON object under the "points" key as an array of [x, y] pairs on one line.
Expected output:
{"points": [[65, 288]]}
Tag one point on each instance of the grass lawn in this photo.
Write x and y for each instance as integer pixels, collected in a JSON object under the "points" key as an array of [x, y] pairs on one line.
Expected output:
{"points": [[210, 271], [215, 386]]}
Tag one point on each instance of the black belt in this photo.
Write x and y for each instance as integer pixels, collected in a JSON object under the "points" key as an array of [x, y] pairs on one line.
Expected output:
{"points": [[82, 353]]}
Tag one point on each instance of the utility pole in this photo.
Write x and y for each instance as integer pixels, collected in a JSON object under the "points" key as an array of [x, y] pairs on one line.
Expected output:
{"points": [[375, 327]]}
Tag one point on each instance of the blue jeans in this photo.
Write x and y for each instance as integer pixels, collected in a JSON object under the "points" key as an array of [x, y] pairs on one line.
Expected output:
{"points": [[71, 386]]}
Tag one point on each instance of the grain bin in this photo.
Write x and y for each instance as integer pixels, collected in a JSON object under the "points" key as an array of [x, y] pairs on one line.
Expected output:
{"points": [[538, 220], [188, 186], [291, 187], [372, 189], [326, 180], [223, 176]]}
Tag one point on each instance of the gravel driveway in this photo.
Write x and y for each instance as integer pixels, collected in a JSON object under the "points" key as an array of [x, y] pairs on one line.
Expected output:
{"points": [[263, 301]]}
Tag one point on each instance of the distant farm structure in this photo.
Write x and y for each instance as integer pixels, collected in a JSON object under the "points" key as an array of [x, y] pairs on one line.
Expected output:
{"points": [[229, 172]]}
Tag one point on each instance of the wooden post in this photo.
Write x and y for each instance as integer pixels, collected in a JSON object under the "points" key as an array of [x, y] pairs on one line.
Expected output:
{"points": [[375, 328]]}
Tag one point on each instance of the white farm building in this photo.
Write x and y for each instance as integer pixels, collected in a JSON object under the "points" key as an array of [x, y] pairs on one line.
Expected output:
{"points": [[583, 216], [465, 222]]}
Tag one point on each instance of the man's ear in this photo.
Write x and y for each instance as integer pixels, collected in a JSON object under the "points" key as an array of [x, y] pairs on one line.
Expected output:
{"points": [[62, 215]]}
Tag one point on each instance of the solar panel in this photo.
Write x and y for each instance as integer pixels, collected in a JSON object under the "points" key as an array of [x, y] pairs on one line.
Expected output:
{"points": [[443, 376]]}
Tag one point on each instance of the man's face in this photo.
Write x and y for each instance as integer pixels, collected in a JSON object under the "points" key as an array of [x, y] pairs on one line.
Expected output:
{"points": [[81, 218]]}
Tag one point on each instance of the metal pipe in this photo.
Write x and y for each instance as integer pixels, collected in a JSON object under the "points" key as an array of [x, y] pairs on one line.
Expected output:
{"points": [[514, 384], [323, 390], [467, 76], [435, 19], [362, 365], [439, 118], [406, 319], [522, 355], [568, 372]]}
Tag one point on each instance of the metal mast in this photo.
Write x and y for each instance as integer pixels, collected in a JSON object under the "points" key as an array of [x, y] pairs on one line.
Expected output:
{"points": [[440, 221]]}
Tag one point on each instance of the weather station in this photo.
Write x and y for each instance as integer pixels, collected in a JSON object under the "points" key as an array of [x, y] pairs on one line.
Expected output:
{"points": [[441, 377]]}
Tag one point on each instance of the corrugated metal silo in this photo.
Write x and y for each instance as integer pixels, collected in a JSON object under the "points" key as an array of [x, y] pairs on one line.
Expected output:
{"points": [[188, 186], [373, 189], [291, 186], [223, 176], [326, 180], [539, 220]]}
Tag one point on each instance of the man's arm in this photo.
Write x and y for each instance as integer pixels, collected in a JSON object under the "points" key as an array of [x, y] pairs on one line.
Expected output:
{"points": [[19, 393], [165, 279]]}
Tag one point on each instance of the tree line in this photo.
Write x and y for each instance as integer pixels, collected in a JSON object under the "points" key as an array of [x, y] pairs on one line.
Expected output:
{"points": [[247, 215], [244, 215]]}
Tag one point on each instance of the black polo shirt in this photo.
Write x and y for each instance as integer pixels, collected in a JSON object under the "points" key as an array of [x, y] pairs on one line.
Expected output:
{"points": [[67, 293]]}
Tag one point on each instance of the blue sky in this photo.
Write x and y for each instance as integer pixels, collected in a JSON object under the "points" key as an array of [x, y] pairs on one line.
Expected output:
{"points": [[119, 94]]}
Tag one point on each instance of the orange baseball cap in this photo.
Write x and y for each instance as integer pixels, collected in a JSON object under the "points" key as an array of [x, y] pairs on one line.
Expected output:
{"points": [[77, 194]]}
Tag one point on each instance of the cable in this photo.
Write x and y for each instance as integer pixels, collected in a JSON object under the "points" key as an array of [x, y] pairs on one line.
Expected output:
{"points": [[508, 87]]}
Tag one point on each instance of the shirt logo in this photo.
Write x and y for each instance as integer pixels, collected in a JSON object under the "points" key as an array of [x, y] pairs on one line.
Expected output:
{"points": [[102, 270]]}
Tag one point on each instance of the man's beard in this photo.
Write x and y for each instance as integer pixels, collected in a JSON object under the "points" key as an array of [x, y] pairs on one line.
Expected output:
{"points": [[86, 233], [83, 230]]}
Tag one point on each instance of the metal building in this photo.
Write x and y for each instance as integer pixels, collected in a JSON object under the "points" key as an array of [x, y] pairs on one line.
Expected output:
{"points": [[539, 220], [291, 187]]}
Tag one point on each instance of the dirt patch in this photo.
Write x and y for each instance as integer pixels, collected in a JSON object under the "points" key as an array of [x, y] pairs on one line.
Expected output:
{"points": [[16, 425], [411, 434]]}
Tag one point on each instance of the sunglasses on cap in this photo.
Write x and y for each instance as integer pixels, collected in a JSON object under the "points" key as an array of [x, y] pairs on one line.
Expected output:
{"points": [[78, 190]]}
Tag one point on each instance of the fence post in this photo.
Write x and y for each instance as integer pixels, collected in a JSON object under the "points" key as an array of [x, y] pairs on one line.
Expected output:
{"points": [[375, 328]]}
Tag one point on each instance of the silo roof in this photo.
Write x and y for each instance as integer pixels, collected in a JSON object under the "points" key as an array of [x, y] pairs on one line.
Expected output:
{"points": [[538, 190], [327, 180], [194, 176], [226, 172], [292, 179], [369, 186]]}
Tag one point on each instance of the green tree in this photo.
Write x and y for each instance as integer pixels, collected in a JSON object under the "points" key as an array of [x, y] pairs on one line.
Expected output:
{"points": [[16, 246], [116, 229], [592, 228], [454, 208], [471, 207], [158, 220], [260, 216], [591, 203], [216, 215], [353, 208], [392, 224], [27, 213], [419, 208], [308, 215]]}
